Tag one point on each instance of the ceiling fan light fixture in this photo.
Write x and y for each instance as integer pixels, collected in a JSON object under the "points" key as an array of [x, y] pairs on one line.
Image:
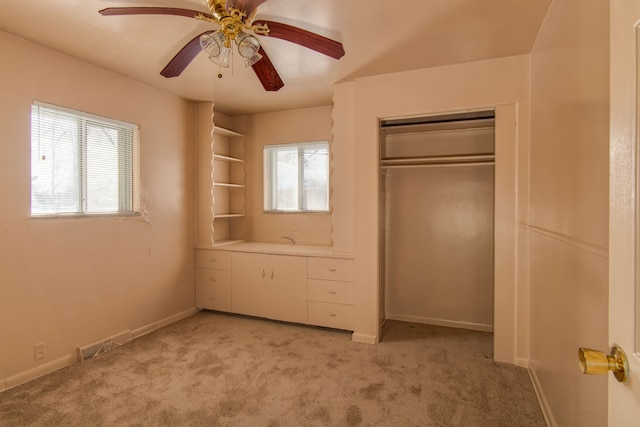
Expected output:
{"points": [[215, 47], [252, 60], [223, 59], [248, 45]]}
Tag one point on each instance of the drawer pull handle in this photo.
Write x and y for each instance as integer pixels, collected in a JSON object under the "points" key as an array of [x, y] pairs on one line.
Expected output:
{"points": [[211, 279], [332, 292], [212, 259], [332, 315], [213, 298], [263, 273], [331, 270]]}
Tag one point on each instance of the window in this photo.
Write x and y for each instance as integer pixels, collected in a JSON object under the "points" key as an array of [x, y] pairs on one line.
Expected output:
{"points": [[82, 164], [296, 177]]}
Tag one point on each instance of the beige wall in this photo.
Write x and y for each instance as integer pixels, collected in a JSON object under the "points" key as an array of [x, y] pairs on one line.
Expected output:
{"points": [[307, 124], [568, 222], [69, 282], [501, 84], [439, 246]]}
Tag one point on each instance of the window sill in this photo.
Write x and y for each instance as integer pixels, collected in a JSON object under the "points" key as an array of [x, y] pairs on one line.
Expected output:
{"points": [[98, 216], [297, 212]]}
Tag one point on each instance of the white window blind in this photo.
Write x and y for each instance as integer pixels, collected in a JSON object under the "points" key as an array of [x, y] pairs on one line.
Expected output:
{"points": [[296, 177], [81, 163]]}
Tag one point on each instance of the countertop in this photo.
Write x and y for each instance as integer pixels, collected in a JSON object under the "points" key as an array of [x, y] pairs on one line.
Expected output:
{"points": [[280, 249]]}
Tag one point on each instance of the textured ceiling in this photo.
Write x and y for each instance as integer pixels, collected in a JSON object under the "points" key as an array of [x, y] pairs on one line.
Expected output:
{"points": [[378, 36]]}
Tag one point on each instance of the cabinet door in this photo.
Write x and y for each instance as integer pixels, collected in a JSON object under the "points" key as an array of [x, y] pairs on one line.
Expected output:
{"points": [[248, 284], [287, 288]]}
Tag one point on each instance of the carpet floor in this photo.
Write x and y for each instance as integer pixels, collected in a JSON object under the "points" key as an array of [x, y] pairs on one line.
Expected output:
{"points": [[214, 369]]}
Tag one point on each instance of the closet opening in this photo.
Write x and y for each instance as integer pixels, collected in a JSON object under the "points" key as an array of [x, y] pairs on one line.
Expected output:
{"points": [[437, 191]]}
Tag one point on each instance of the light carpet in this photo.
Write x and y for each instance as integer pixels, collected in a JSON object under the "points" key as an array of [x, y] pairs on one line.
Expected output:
{"points": [[214, 369]]}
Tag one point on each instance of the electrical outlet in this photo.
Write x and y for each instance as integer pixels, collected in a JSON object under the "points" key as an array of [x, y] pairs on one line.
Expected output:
{"points": [[39, 351]]}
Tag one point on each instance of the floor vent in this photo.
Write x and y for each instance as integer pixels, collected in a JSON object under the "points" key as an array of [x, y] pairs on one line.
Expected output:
{"points": [[99, 347]]}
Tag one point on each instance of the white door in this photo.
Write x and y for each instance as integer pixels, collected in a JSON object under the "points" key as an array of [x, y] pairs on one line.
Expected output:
{"points": [[624, 303]]}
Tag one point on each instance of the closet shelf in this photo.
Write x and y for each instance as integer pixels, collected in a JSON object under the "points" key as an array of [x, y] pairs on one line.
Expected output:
{"points": [[227, 158], [460, 160]]}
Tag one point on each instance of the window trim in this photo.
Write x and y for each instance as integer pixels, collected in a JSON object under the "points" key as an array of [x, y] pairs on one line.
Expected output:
{"points": [[268, 191], [131, 189]]}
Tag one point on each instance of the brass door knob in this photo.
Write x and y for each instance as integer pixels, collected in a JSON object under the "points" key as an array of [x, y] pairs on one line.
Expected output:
{"points": [[596, 362]]}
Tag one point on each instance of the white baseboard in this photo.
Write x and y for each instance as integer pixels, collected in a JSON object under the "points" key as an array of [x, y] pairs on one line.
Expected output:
{"points": [[523, 363], [364, 338], [38, 371], [137, 333], [440, 322], [542, 400], [71, 358]]}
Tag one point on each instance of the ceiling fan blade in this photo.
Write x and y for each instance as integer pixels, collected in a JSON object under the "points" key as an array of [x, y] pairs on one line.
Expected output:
{"points": [[176, 66], [267, 73], [248, 6], [304, 38], [111, 11]]}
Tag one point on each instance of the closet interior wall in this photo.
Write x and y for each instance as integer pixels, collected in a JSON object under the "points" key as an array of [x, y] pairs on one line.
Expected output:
{"points": [[437, 206]]}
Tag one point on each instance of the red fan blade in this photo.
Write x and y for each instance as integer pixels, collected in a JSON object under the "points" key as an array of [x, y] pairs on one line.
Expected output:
{"points": [[176, 66], [110, 11], [304, 38], [248, 6], [267, 73]]}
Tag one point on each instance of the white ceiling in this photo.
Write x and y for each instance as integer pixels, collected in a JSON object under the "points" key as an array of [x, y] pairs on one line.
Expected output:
{"points": [[379, 36]]}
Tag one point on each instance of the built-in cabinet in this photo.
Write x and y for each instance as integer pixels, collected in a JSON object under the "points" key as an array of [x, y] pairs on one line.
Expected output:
{"points": [[213, 280], [271, 286], [292, 283], [330, 292], [293, 288]]}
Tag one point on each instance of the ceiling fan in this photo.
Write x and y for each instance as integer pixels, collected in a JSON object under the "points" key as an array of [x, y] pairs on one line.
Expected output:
{"points": [[234, 17]]}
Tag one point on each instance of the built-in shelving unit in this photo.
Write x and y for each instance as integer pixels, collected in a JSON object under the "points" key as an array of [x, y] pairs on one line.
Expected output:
{"points": [[228, 182], [220, 179]]}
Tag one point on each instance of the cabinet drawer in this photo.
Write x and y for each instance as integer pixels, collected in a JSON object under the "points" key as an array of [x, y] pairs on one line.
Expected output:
{"points": [[330, 291], [338, 316], [213, 277], [213, 289], [331, 269], [209, 258]]}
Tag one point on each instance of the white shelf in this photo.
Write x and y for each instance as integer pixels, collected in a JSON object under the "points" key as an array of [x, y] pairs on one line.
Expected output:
{"points": [[217, 130], [227, 184], [457, 160], [226, 242], [228, 215], [227, 159]]}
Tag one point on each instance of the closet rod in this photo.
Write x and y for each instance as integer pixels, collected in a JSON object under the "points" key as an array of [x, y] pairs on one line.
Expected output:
{"points": [[438, 159], [437, 165]]}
